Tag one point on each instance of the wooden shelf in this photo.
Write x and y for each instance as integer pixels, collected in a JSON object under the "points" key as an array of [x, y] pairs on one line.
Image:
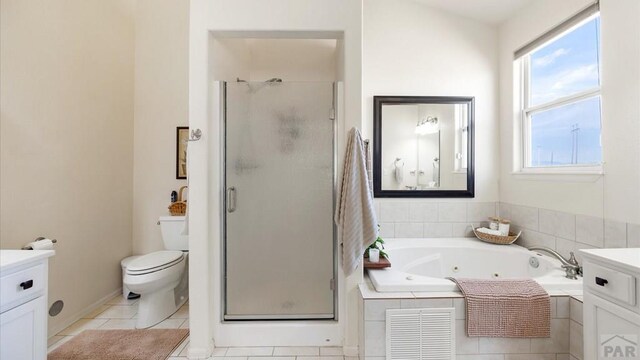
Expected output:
{"points": [[383, 263]]}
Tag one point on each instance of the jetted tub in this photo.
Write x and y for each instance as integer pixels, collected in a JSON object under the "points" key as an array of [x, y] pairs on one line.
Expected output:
{"points": [[424, 264]]}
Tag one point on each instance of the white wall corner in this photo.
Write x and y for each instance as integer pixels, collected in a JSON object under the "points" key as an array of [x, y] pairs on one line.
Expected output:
{"points": [[200, 352]]}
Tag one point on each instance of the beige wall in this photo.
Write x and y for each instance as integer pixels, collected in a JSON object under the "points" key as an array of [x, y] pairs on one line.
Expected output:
{"points": [[66, 80], [615, 195], [161, 104], [580, 194], [621, 109], [293, 59], [412, 49], [262, 59]]}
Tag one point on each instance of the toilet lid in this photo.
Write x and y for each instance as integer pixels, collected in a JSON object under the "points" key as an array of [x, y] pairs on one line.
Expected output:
{"points": [[154, 260]]}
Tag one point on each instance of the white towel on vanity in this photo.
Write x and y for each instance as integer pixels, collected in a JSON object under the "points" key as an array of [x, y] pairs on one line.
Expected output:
{"points": [[355, 214]]}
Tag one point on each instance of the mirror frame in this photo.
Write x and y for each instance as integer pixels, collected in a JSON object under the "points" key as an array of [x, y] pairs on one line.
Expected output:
{"points": [[378, 101]]}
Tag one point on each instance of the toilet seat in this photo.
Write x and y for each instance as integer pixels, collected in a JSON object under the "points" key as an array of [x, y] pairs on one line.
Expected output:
{"points": [[154, 261]]}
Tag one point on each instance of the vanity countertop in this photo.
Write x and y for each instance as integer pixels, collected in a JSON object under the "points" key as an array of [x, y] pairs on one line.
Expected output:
{"points": [[13, 258], [626, 257]]}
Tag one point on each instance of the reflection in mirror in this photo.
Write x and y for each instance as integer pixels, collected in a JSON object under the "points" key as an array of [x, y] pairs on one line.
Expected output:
{"points": [[422, 147]]}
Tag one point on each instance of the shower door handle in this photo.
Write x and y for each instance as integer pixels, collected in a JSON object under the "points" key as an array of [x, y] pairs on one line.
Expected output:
{"points": [[231, 199]]}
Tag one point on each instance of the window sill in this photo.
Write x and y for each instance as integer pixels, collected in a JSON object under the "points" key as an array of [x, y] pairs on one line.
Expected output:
{"points": [[559, 175]]}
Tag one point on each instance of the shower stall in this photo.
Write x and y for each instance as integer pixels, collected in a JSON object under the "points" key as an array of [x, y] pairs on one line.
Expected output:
{"points": [[279, 247]]}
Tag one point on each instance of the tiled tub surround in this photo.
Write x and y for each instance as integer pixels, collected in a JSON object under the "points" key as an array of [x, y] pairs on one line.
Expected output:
{"points": [[373, 307], [561, 231], [424, 264], [417, 219], [567, 232], [575, 328]]}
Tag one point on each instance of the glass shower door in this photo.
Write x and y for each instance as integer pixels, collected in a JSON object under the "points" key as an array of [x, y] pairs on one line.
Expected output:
{"points": [[279, 180]]}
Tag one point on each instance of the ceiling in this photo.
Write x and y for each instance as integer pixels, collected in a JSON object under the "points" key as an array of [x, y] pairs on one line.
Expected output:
{"points": [[487, 11]]}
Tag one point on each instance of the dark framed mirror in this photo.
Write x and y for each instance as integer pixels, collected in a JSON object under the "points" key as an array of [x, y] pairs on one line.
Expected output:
{"points": [[423, 146]]}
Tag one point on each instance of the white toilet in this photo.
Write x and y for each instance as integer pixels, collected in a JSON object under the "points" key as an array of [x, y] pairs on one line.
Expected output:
{"points": [[162, 277]]}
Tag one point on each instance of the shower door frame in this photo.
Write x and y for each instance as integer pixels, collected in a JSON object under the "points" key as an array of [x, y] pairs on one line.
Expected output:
{"points": [[333, 116]]}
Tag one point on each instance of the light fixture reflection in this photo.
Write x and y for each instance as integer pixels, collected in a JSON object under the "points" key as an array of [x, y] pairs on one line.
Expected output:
{"points": [[428, 125]]}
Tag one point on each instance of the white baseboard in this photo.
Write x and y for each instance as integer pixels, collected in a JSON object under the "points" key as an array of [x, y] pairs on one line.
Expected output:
{"points": [[81, 314], [200, 353], [351, 351]]}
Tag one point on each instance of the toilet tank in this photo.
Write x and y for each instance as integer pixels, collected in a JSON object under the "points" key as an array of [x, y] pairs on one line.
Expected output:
{"points": [[171, 228]]}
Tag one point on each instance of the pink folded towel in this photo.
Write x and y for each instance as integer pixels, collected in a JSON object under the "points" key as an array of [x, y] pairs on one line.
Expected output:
{"points": [[511, 308]]}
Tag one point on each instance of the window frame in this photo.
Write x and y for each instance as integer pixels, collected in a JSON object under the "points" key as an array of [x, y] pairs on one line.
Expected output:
{"points": [[526, 111], [461, 142]]}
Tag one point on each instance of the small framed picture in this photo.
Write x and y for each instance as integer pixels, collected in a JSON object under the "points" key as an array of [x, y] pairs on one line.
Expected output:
{"points": [[182, 137]]}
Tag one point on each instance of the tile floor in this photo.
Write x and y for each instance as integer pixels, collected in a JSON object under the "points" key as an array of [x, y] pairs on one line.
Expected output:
{"points": [[119, 313]]}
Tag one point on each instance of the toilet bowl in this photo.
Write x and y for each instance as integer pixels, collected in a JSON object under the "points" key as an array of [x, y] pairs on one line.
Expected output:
{"points": [[162, 277]]}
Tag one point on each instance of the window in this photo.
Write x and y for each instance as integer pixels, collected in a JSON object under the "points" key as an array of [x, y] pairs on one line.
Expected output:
{"points": [[462, 138], [560, 98]]}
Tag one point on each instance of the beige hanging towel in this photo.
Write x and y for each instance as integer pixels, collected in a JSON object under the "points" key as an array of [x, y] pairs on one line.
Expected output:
{"points": [[355, 214]]}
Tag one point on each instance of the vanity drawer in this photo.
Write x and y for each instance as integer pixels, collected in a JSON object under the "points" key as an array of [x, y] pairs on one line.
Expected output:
{"points": [[612, 284], [20, 286]]}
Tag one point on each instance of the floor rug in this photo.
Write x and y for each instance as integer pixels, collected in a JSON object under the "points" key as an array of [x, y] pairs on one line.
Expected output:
{"points": [[144, 344]]}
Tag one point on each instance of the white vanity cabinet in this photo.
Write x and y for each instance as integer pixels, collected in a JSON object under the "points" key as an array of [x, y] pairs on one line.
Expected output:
{"points": [[23, 304], [611, 312]]}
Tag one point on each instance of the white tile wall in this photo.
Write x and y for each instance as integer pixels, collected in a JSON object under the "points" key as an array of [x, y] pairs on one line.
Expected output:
{"points": [[423, 212], [452, 212], [557, 343], [555, 347], [567, 232], [504, 346], [615, 234], [526, 217], [556, 223], [438, 230], [394, 212], [480, 357], [633, 235], [563, 307], [561, 231], [408, 230], [426, 303], [575, 330], [531, 237], [465, 345], [375, 310], [590, 230], [532, 356], [478, 212], [415, 219], [464, 230], [387, 230], [374, 338]]}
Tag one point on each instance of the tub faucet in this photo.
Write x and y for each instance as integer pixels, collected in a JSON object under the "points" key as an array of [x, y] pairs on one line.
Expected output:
{"points": [[571, 266]]}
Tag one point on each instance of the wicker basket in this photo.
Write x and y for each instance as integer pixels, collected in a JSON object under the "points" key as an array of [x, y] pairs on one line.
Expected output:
{"points": [[496, 239], [179, 207]]}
